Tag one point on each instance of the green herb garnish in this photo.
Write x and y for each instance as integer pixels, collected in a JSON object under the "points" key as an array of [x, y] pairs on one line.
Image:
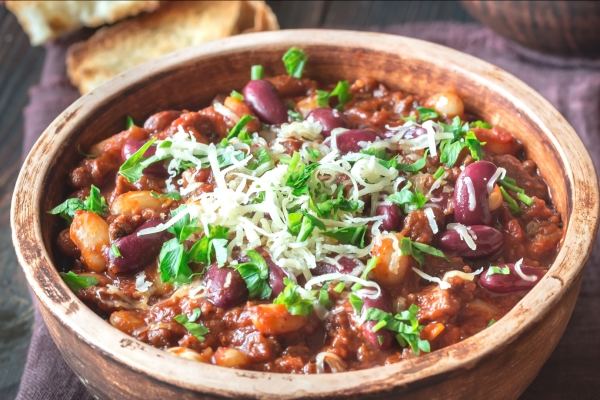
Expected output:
{"points": [[354, 235], [438, 174], [418, 250], [129, 122], [241, 124], [196, 329], [256, 275], [426, 113], [356, 303], [295, 60], [76, 282], [115, 251], [174, 196], [173, 263], [85, 154], [215, 242], [132, 168], [512, 205], [95, 203], [408, 200], [292, 300], [236, 95], [296, 115], [493, 270], [342, 91], [257, 72]]}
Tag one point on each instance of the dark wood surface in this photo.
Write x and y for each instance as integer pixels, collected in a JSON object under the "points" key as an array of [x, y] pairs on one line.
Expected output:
{"points": [[20, 68]]}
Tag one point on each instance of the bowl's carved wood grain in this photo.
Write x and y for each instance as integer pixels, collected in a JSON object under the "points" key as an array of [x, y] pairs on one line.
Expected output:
{"points": [[113, 365]]}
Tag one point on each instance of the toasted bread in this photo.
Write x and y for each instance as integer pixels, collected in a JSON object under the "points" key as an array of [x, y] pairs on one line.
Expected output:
{"points": [[175, 25], [45, 20]]}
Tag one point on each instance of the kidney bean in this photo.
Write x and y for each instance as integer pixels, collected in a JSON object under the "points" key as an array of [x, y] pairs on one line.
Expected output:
{"points": [[440, 199], [137, 251], [384, 303], [264, 100], [157, 169], [347, 263], [478, 213], [330, 119], [347, 142], [226, 287], [276, 275], [393, 217], [161, 120], [489, 241], [499, 283]]}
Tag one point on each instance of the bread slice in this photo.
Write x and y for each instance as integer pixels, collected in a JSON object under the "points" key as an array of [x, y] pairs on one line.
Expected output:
{"points": [[45, 20], [175, 25]]}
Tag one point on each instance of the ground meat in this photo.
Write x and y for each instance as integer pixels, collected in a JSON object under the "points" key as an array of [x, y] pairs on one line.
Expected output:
{"points": [[161, 121], [66, 245], [531, 183], [417, 228], [436, 304], [288, 86]]}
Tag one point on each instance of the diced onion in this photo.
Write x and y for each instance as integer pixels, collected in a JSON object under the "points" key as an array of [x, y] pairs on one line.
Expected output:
{"points": [[431, 218], [471, 192], [500, 173], [528, 278], [464, 234]]}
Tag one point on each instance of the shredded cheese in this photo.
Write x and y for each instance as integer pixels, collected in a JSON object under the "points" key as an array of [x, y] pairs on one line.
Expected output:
{"points": [[141, 285], [528, 278], [336, 364], [471, 193], [464, 233], [431, 219], [443, 284], [500, 173]]}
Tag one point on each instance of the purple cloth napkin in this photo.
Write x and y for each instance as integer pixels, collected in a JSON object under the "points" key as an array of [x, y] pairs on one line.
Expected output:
{"points": [[571, 85]]}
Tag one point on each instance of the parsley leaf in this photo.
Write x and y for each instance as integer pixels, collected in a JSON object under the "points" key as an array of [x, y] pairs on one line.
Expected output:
{"points": [[256, 275], [295, 60], [299, 174], [408, 200], [492, 322], [339, 288], [371, 264], [173, 262], [94, 203], [215, 241], [296, 115], [292, 300], [342, 91], [257, 72], [449, 151], [196, 329], [76, 282], [414, 167], [314, 154], [132, 168], [474, 145], [426, 113], [236, 95], [493, 270], [174, 196], [438, 174], [324, 299], [184, 227], [354, 235], [417, 250], [237, 129]]}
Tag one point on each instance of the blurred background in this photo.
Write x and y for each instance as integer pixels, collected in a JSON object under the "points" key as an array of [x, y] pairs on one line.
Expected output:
{"points": [[567, 28]]}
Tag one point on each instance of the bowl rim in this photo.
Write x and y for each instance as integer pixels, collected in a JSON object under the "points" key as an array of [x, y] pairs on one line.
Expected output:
{"points": [[102, 337]]}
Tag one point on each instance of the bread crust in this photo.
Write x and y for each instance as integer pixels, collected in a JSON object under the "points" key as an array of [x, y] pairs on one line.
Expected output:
{"points": [[45, 20], [176, 25]]}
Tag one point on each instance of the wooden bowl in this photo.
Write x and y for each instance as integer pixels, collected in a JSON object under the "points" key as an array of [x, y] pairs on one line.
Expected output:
{"points": [[570, 28], [497, 363]]}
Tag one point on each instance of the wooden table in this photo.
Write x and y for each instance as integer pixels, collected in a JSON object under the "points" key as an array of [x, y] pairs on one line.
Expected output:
{"points": [[20, 68]]}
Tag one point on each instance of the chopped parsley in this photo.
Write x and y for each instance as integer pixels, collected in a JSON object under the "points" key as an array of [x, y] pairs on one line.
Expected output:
{"points": [[184, 227], [339, 288], [196, 329], [371, 264], [342, 91], [405, 325], [132, 168], [261, 156], [509, 183], [463, 137], [256, 275], [493, 270], [298, 175], [438, 174], [295, 61], [95, 203], [492, 322], [241, 124], [214, 242], [353, 235], [426, 113], [409, 201], [236, 95], [115, 251], [76, 282], [292, 300], [313, 153], [324, 299], [257, 72], [481, 124], [418, 250], [173, 263], [414, 167], [174, 196]]}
